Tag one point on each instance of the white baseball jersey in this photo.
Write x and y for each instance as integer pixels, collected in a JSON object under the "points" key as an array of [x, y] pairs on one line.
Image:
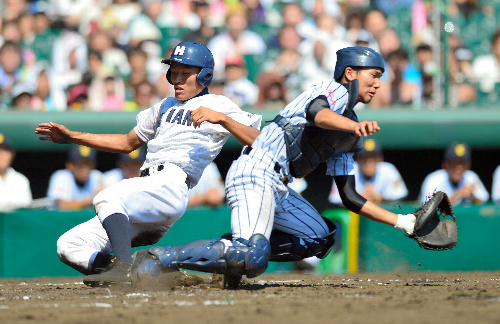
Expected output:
{"points": [[171, 137], [15, 191], [63, 186], [440, 181], [155, 202], [258, 199], [387, 182], [495, 188]]}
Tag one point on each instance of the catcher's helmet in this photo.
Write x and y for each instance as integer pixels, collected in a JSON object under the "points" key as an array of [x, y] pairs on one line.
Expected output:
{"points": [[357, 56], [195, 54]]}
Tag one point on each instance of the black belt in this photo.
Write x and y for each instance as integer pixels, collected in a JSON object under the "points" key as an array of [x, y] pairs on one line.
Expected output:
{"points": [[277, 167], [145, 173]]}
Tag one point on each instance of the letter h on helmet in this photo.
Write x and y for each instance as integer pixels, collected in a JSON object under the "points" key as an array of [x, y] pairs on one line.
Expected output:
{"points": [[194, 54]]}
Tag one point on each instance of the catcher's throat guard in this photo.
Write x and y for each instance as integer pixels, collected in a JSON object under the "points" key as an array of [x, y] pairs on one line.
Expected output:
{"points": [[435, 226]]}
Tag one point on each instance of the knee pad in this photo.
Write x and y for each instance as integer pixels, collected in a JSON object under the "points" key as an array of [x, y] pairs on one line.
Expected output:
{"points": [[286, 247]]}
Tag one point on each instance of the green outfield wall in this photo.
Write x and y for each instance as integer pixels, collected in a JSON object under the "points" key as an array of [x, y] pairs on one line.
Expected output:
{"points": [[28, 241], [401, 128]]}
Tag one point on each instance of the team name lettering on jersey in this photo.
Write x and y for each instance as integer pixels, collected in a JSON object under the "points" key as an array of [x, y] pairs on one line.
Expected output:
{"points": [[178, 116]]}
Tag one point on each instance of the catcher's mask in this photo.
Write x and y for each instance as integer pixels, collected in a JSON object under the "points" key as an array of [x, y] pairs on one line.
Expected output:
{"points": [[195, 54], [357, 56]]}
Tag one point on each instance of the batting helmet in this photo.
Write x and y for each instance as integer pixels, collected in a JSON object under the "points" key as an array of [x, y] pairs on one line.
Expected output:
{"points": [[357, 56], [195, 54]]}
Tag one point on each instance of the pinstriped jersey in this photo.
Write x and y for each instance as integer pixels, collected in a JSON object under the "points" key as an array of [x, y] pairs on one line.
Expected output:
{"points": [[272, 139], [171, 137]]}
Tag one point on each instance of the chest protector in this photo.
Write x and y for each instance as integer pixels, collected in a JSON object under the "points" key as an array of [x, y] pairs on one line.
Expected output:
{"points": [[307, 145]]}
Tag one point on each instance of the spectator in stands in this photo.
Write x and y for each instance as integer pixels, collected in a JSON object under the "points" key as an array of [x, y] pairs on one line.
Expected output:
{"points": [[45, 35], [461, 184], [210, 189], [144, 97], [272, 91], [356, 34], [406, 82], [21, 95], [256, 13], [376, 180], [428, 69], [179, 13], [116, 17], [462, 79], [206, 31], [44, 99], [78, 14], [354, 25], [390, 7], [106, 91], [13, 9], [76, 186], [144, 26], [237, 87], [15, 191], [465, 8], [486, 68], [319, 9], [376, 23], [495, 187], [236, 40], [78, 97], [388, 42], [10, 68], [287, 62], [137, 59], [293, 16], [128, 166], [114, 94], [319, 57], [10, 32], [114, 59], [69, 60]]}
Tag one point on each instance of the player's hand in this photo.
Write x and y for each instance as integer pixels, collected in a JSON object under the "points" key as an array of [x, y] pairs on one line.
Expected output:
{"points": [[54, 132], [366, 128], [203, 114]]}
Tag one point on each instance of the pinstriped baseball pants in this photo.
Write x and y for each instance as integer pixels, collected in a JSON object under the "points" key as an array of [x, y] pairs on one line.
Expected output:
{"points": [[259, 201]]}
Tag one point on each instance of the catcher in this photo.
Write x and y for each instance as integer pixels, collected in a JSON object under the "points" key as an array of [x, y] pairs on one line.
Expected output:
{"points": [[270, 221]]}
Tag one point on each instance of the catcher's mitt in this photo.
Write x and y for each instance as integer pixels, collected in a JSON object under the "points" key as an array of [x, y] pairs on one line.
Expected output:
{"points": [[433, 230]]}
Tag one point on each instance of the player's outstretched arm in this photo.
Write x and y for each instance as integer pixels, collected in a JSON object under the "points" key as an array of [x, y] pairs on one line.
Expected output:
{"points": [[353, 201], [329, 119], [116, 143], [246, 135]]}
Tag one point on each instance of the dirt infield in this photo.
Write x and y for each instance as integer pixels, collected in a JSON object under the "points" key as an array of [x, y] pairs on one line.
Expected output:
{"points": [[414, 297]]}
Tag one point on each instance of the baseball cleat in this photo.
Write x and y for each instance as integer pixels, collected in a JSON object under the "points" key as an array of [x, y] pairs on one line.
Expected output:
{"points": [[231, 282], [117, 272]]}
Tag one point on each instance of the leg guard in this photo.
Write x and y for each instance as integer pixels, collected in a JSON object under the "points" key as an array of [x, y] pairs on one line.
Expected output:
{"points": [[286, 247], [248, 259]]}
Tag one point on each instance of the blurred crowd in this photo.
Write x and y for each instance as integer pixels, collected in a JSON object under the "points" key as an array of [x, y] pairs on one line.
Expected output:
{"points": [[104, 55]]}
